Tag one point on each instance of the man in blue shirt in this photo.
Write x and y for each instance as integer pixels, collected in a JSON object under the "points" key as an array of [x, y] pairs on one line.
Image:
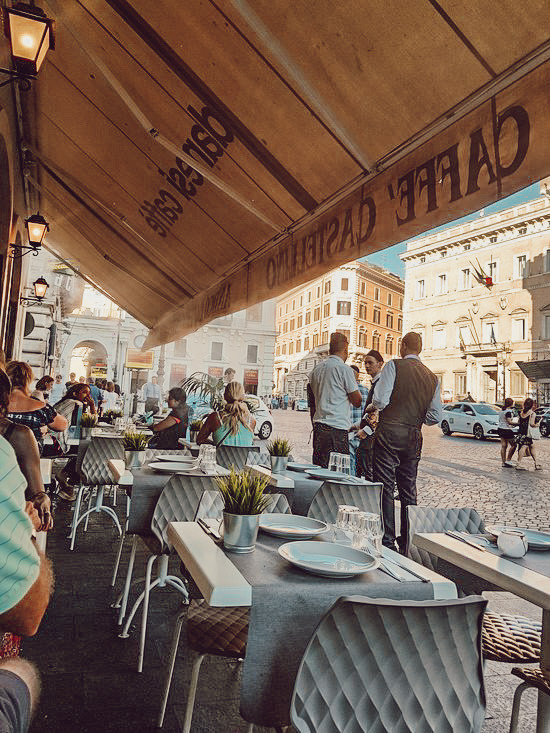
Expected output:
{"points": [[356, 413], [95, 392]]}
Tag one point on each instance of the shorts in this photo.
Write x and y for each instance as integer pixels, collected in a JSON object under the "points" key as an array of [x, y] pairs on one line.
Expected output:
{"points": [[506, 434], [524, 440], [15, 703]]}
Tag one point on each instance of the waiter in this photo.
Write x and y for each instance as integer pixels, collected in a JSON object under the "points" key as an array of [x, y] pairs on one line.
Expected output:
{"points": [[407, 395]]}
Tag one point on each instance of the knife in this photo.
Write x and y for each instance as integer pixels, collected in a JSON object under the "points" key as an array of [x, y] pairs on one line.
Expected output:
{"points": [[386, 569], [408, 570], [458, 536]]}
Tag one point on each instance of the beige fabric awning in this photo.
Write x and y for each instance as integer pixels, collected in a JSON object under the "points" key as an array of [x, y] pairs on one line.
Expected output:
{"points": [[197, 157]]}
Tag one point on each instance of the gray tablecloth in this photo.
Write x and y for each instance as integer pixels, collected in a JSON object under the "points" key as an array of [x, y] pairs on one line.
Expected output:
{"points": [[287, 605], [535, 560]]}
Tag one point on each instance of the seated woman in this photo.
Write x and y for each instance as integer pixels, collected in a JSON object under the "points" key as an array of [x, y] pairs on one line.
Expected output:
{"points": [[172, 428], [234, 425], [24, 410], [24, 444], [43, 389]]}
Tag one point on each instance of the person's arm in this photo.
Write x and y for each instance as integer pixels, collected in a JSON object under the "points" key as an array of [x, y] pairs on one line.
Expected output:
{"points": [[28, 458], [25, 617], [164, 424], [384, 387], [350, 386], [210, 425], [533, 419], [310, 401], [58, 422], [510, 420], [435, 410]]}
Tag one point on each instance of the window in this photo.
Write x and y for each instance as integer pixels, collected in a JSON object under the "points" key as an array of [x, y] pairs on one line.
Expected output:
{"points": [[363, 339], [464, 336], [492, 270], [519, 329], [343, 308], [546, 327], [390, 298], [376, 315], [439, 337], [399, 324], [292, 324], [327, 287], [467, 247], [326, 310], [489, 332], [299, 322], [301, 300], [398, 346], [285, 327], [178, 372], [180, 348], [345, 284], [254, 313], [216, 353], [286, 307], [309, 296], [493, 239], [389, 345], [319, 291], [308, 317], [465, 279], [298, 345], [441, 284], [443, 253], [306, 343], [284, 348], [317, 314], [346, 333], [400, 304], [376, 341], [291, 347], [280, 311], [420, 289], [363, 311], [293, 305], [460, 384], [363, 288], [315, 340], [377, 293], [522, 230], [520, 269], [547, 261], [389, 320], [324, 337], [423, 259], [252, 354], [517, 383], [278, 351]]}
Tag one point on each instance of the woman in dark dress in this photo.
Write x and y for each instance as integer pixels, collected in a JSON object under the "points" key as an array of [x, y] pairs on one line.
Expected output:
{"points": [[527, 420], [172, 428]]}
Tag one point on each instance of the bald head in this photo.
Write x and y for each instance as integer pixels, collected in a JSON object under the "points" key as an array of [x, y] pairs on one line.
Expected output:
{"points": [[338, 345], [411, 344]]}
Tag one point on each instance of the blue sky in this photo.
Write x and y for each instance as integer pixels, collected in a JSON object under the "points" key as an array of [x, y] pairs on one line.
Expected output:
{"points": [[389, 257]]}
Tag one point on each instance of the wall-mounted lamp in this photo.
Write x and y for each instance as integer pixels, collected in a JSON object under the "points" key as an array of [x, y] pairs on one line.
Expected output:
{"points": [[30, 33], [36, 227], [40, 287]]}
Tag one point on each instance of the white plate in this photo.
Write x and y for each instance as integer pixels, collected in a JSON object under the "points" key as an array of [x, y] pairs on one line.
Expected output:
{"points": [[166, 467], [325, 475], [535, 539], [327, 559], [175, 458], [292, 466], [291, 526]]}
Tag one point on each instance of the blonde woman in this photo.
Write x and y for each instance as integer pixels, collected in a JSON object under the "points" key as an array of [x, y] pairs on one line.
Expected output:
{"points": [[234, 425]]}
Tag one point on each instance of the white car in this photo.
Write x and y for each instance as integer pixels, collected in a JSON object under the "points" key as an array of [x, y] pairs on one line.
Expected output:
{"points": [[474, 418], [258, 408]]}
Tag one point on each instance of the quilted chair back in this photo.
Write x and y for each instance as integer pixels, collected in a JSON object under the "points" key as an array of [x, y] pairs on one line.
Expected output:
{"points": [[152, 453], [431, 519], [368, 497], [393, 667], [178, 502], [234, 455], [211, 505], [94, 467]]}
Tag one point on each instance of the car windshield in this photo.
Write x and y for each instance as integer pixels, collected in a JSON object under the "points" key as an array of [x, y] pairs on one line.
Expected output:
{"points": [[485, 410]]}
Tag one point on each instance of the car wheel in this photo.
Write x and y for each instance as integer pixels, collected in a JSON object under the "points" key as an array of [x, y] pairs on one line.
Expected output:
{"points": [[478, 432], [543, 427], [265, 431], [445, 428]]}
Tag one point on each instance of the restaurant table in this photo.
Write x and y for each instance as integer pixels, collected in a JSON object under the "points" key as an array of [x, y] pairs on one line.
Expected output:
{"points": [[527, 577], [286, 606]]}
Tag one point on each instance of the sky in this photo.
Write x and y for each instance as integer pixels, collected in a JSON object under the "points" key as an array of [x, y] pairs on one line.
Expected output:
{"points": [[389, 257]]}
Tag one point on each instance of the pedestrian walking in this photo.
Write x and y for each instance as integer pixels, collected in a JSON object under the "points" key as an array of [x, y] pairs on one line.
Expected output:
{"points": [[507, 434], [407, 396], [151, 395], [356, 415], [364, 460], [527, 422], [333, 388]]}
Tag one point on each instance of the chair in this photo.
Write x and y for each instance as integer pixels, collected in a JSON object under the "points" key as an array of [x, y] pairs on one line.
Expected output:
{"points": [[178, 502], [391, 667], [324, 506], [95, 474], [506, 638], [532, 677], [234, 455], [219, 631]]}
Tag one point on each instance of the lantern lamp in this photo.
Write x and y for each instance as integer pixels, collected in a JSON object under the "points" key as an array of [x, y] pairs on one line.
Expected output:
{"points": [[36, 227], [40, 287], [30, 33]]}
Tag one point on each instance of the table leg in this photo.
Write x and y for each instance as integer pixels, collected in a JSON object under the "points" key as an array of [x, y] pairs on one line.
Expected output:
{"points": [[543, 707]]}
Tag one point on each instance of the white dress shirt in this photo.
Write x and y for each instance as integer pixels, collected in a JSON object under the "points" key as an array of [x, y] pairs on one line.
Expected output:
{"points": [[384, 388]]}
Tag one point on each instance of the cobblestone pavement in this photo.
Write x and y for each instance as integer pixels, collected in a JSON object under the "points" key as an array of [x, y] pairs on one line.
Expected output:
{"points": [[461, 471]]}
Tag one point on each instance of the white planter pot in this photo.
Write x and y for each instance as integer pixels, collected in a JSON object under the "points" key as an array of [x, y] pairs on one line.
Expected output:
{"points": [[134, 458], [240, 532], [278, 463]]}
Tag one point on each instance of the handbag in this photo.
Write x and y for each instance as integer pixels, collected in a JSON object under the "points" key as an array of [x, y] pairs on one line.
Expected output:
{"points": [[534, 432]]}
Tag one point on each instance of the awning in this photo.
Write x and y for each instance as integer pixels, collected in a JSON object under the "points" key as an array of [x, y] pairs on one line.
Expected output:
{"points": [[194, 158], [535, 370]]}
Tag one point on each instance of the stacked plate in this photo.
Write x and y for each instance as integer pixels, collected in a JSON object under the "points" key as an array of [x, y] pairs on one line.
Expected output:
{"points": [[327, 559], [292, 526]]}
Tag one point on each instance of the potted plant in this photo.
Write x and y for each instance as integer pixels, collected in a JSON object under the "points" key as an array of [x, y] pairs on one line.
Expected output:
{"points": [[194, 429], [244, 501], [87, 423], [279, 451], [135, 446], [111, 415]]}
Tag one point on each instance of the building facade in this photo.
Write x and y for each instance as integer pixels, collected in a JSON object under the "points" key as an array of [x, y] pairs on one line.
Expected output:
{"points": [[476, 335], [363, 301]]}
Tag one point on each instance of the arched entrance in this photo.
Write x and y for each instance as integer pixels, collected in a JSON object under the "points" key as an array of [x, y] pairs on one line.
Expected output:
{"points": [[89, 359]]}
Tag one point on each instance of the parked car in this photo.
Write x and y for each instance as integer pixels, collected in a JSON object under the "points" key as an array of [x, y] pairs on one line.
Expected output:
{"points": [[262, 414], [474, 418], [544, 424], [301, 406]]}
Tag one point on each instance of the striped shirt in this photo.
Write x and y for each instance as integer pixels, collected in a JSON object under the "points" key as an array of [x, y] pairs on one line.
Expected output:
{"points": [[19, 561]]}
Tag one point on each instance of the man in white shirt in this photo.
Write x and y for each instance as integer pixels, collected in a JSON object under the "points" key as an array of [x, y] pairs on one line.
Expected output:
{"points": [[407, 396], [333, 388], [151, 395]]}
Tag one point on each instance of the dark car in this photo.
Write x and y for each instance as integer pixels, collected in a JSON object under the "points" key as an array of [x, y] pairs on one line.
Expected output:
{"points": [[544, 425]]}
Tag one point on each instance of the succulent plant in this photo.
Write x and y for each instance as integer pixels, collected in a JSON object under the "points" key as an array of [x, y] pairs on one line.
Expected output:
{"points": [[88, 420], [196, 425], [135, 441], [279, 447], [243, 493]]}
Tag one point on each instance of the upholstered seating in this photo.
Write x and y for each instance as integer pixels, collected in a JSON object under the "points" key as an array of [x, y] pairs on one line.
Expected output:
{"points": [[532, 677], [324, 506]]}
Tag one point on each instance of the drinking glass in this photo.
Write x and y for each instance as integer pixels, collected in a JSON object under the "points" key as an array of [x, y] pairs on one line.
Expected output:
{"points": [[375, 532], [344, 516], [345, 464], [334, 462]]}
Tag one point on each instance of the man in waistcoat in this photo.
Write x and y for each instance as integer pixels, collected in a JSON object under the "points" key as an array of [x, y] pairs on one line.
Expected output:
{"points": [[373, 365], [407, 396]]}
